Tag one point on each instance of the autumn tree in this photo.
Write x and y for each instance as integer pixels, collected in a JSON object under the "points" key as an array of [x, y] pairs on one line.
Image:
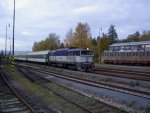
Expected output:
{"points": [[51, 42], [104, 43], [62, 45], [94, 41], [145, 36], [80, 37], [69, 37], [134, 37], [112, 34]]}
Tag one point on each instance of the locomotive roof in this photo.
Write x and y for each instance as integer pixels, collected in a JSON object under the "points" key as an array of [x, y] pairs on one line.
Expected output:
{"points": [[131, 43]]}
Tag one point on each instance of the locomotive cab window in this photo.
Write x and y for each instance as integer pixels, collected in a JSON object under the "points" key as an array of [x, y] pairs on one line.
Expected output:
{"points": [[86, 52]]}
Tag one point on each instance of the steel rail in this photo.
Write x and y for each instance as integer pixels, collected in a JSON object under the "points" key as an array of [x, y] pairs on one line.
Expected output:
{"points": [[42, 84], [17, 95], [75, 79], [97, 83], [81, 93], [123, 73]]}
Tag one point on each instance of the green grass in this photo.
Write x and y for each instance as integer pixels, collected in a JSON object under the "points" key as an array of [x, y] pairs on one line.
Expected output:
{"points": [[48, 96]]}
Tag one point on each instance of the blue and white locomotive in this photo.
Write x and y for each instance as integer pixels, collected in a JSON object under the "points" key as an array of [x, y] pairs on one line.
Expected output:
{"points": [[72, 58], [79, 58]]}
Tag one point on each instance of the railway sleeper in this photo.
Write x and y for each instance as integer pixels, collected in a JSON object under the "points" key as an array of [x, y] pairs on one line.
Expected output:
{"points": [[5, 96], [13, 106], [4, 89], [11, 110], [8, 97], [4, 92], [11, 103], [9, 100]]}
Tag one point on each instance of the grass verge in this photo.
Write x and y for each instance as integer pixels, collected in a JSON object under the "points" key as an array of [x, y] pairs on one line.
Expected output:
{"points": [[46, 95]]}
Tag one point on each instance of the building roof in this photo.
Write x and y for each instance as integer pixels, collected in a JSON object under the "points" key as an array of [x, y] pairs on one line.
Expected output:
{"points": [[131, 43]]}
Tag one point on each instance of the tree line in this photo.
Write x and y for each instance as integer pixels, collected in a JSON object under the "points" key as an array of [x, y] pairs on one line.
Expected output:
{"points": [[81, 37]]}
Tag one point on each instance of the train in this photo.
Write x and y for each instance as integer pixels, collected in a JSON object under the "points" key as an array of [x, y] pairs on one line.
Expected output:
{"points": [[80, 59], [128, 53], [139, 57]]}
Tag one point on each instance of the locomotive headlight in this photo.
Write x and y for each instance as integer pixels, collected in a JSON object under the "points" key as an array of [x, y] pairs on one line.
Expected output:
{"points": [[87, 48]]}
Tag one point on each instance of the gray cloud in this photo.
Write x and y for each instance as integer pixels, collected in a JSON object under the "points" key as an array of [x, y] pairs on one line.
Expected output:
{"points": [[35, 19]]}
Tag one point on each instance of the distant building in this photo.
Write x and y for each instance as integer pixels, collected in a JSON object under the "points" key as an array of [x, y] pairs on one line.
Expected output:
{"points": [[130, 46]]}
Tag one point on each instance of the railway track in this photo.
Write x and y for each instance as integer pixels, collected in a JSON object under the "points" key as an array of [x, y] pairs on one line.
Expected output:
{"points": [[10, 100], [93, 83], [128, 90], [131, 74], [82, 101]]}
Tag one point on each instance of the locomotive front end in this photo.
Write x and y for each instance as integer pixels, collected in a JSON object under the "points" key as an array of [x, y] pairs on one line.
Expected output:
{"points": [[86, 59]]}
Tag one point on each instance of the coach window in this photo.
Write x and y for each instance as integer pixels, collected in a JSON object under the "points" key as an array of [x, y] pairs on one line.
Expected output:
{"points": [[133, 53], [143, 53], [148, 53], [127, 54], [112, 54]]}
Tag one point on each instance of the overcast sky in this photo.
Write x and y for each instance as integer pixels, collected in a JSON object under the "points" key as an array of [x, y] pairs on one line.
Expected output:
{"points": [[35, 19]]}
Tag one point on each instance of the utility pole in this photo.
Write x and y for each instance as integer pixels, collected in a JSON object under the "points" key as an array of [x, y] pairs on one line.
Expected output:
{"points": [[81, 39], [100, 45], [10, 49], [10, 45], [13, 29], [12, 57]]}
